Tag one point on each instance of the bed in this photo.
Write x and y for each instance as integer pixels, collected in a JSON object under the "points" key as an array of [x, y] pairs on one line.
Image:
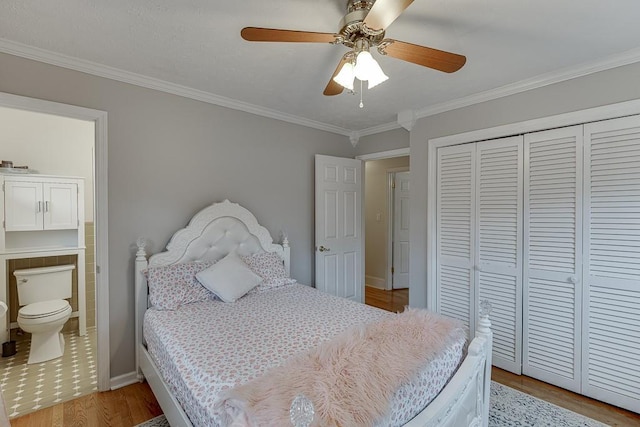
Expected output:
{"points": [[262, 331]]}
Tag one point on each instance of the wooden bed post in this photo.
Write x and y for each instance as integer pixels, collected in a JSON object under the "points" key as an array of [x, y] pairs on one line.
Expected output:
{"points": [[141, 297]]}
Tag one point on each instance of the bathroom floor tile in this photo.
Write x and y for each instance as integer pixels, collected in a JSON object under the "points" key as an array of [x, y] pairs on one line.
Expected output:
{"points": [[27, 388]]}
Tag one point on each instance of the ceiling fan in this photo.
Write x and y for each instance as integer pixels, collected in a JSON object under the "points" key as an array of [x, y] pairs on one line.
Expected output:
{"points": [[362, 28]]}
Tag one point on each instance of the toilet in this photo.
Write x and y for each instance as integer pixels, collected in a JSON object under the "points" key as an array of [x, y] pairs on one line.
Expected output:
{"points": [[41, 293]]}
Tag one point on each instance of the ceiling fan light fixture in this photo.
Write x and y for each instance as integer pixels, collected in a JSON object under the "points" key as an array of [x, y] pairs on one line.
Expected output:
{"points": [[377, 77], [368, 69], [346, 76]]}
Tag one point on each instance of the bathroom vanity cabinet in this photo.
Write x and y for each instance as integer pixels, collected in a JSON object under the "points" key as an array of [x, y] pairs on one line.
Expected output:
{"points": [[42, 216]]}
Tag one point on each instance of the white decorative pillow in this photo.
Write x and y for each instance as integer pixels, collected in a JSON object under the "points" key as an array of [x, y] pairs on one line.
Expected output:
{"points": [[270, 267], [230, 278], [174, 285]]}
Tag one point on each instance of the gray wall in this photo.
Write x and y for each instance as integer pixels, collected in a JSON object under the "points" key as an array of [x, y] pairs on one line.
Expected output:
{"points": [[390, 140], [169, 157]]}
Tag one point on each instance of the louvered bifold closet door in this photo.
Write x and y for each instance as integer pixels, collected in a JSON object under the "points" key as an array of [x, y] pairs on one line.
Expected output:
{"points": [[552, 256], [455, 233], [498, 277], [611, 337]]}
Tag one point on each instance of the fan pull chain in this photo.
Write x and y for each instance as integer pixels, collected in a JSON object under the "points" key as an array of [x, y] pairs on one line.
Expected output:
{"points": [[361, 103]]}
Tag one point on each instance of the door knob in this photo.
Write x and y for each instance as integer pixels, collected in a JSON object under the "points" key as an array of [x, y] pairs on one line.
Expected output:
{"points": [[323, 249]]}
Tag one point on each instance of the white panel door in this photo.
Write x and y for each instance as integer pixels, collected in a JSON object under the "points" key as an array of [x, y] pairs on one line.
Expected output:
{"points": [[401, 230], [455, 230], [611, 336], [60, 206], [339, 236], [24, 206], [552, 256], [499, 174]]}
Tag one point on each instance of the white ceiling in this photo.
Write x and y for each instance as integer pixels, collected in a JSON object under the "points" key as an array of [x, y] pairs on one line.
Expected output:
{"points": [[197, 44]]}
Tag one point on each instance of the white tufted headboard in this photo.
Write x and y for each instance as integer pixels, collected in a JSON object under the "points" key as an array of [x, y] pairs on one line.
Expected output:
{"points": [[210, 235]]}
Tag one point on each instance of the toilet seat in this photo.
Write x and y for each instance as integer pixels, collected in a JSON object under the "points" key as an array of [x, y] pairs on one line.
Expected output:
{"points": [[44, 309]]}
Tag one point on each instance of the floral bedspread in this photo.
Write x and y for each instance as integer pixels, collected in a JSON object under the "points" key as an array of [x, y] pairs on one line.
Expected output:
{"points": [[206, 347]]}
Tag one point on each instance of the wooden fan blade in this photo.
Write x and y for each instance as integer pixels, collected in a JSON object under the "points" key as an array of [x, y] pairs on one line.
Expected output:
{"points": [[384, 12], [425, 56], [334, 88], [255, 34]]}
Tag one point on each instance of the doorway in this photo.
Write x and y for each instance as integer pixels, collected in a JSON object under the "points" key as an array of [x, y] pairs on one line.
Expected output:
{"points": [[386, 245], [48, 148]]}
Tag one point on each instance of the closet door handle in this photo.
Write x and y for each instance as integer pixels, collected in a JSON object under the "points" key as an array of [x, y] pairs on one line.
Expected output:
{"points": [[46, 206], [573, 279], [39, 207]]}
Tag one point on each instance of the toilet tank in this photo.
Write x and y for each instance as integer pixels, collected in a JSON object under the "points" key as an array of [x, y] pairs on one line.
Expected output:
{"points": [[44, 283]]}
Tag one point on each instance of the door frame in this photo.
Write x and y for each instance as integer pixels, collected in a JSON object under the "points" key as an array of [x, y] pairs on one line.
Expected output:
{"points": [[391, 174], [389, 154], [100, 211]]}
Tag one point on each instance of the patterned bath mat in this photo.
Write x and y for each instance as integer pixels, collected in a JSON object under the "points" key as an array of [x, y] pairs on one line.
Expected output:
{"points": [[509, 407]]}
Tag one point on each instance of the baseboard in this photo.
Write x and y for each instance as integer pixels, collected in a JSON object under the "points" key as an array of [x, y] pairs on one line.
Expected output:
{"points": [[375, 282], [124, 380]]}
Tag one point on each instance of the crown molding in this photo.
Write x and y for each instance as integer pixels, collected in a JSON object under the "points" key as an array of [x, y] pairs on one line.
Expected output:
{"points": [[568, 73], [42, 55], [619, 60], [379, 129], [93, 68]]}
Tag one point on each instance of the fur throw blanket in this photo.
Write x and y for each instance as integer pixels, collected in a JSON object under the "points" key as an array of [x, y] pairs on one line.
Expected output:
{"points": [[350, 379]]}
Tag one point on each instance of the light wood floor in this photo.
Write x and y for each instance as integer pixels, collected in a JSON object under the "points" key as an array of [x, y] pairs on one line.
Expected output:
{"points": [[394, 300], [124, 407]]}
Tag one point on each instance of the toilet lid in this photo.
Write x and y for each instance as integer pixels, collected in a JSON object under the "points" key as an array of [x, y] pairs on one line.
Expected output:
{"points": [[43, 309]]}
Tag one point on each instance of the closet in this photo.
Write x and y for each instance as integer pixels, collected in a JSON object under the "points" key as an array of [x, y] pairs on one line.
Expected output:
{"points": [[546, 226]]}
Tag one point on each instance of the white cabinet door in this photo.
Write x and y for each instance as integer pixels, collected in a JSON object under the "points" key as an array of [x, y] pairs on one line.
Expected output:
{"points": [[499, 174], [60, 206], [24, 206], [552, 256], [611, 336], [339, 240], [455, 231]]}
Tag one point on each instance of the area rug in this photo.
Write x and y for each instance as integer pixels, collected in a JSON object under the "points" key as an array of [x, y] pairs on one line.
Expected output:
{"points": [[509, 407]]}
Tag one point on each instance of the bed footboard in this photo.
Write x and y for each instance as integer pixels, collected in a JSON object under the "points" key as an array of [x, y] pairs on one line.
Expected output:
{"points": [[465, 399]]}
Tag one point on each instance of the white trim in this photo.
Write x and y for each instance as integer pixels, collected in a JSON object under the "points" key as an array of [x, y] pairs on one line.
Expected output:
{"points": [[568, 73], [379, 129], [93, 68], [400, 152], [18, 49], [391, 176], [101, 220], [391, 216], [123, 380], [614, 61], [606, 112], [375, 282]]}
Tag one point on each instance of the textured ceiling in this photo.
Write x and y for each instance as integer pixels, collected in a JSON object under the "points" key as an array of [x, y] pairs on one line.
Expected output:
{"points": [[197, 44]]}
